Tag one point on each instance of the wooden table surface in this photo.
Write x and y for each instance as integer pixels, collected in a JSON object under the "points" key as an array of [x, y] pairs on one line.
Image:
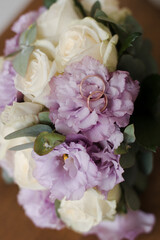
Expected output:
{"points": [[13, 223]]}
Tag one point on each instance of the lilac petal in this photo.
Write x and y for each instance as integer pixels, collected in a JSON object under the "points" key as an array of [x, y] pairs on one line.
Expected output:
{"points": [[127, 226], [39, 209], [7, 89]]}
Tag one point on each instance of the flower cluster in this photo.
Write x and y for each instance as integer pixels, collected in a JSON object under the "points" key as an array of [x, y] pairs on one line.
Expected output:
{"points": [[66, 133]]}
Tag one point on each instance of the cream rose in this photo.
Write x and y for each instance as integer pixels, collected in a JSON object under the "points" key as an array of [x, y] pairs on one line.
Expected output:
{"points": [[55, 21], [35, 84], [1, 63], [87, 38], [13, 118], [90, 210], [110, 7]]}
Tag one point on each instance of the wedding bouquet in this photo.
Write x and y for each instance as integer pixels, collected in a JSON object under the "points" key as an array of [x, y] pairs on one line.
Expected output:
{"points": [[80, 117]]}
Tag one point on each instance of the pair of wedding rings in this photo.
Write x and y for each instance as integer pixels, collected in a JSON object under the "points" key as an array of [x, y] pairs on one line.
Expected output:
{"points": [[95, 95]]}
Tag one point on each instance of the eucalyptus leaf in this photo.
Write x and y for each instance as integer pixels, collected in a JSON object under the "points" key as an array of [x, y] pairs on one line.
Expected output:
{"points": [[146, 117], [29, 35], [20, 62], [130, 175], [13, 54], [48, 3], [122, 149], [129, 135], [80, 6], [133, 65], [141, 181], [95, 6], [7, 179], [145, 161], [57, 204], [131, 25], [32, 131], [46, 142], [22, 147], [129, 42], [119, 29], [127, 160], [44, 117], [131, 197]]}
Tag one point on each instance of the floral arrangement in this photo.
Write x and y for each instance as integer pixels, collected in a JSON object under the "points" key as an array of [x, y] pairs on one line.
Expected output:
{"points": [[79, 117]]}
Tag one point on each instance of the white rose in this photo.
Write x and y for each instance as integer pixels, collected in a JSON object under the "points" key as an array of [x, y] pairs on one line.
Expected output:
{"points": [[13, 118], [1, 63], [35, 84], [55, 21], [110, 7], [87, 38], [90, 210]]}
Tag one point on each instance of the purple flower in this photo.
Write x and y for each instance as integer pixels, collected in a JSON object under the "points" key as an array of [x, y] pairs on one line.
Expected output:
{"points": [[26, 20], [75, 108], [39, 209], [12, 45], [127, 226], [67, 171], [7, 89], [109, 168]]}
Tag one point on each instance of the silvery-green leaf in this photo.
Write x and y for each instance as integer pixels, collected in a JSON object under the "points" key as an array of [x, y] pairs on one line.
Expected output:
{"points": [[46, 142], [7, 179], [129, 135], [44, 117], [28, 36], [32, 131], [12, 54], [20, 62], [22, 147]]}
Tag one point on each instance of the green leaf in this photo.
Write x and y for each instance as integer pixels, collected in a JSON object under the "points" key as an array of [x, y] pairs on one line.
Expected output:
{"points": [[131, 25], [95, 6], [44, 117], [80, 6], [28, 36], [13, 54], [129, 135], [48, 3], [32, 131], [46, 142], [130, 175], [127, 160], [146, 117], [119, 29], [122, 149], [129, 42], [133, 65], [22, 147], [121, 206], [57, 204], [141, 181], [131, 197], [6, 178], [20, 62], [145, 161]]}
